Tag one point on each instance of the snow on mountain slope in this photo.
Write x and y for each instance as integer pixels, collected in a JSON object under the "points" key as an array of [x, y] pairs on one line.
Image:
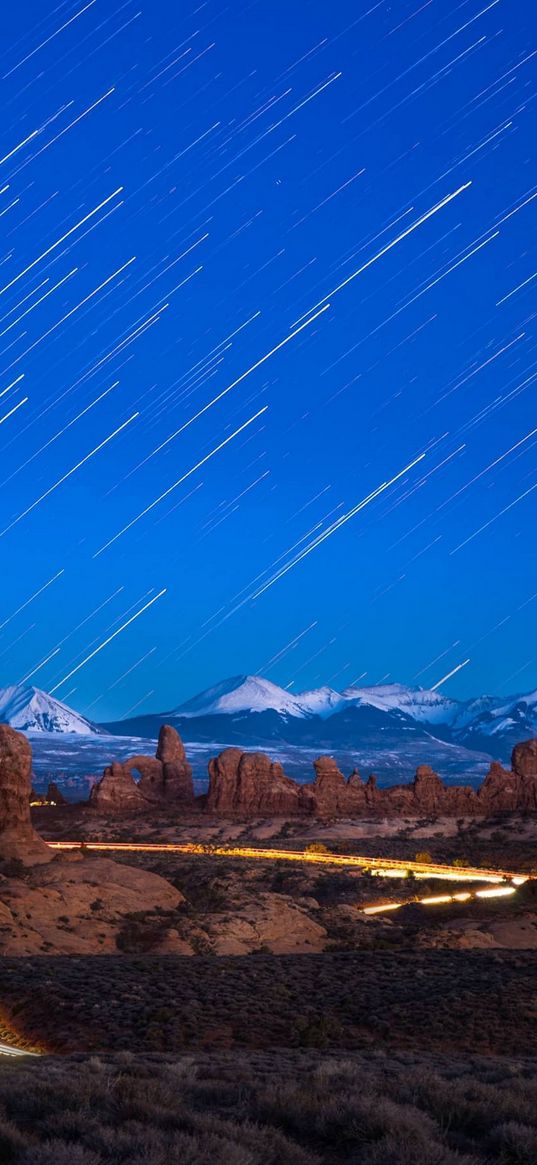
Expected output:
{"points": [[509, 716], [419, 703], [323, 702], [254, 694], [31, 710], [241, 694], [294, 716]]}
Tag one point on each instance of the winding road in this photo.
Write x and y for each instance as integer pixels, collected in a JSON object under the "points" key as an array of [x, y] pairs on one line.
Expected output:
{"points": [[381, 867]]}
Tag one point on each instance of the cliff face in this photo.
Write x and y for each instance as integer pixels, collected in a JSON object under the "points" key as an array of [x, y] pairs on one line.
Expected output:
{"points": [[18, 838], [249, 784], [164, 779]]}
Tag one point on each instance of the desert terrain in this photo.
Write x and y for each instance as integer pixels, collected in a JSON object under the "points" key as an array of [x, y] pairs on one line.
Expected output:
{"points": [[313, 988]]}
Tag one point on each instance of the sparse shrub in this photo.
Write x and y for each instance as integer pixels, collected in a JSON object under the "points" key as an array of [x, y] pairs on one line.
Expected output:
{"points": [[200, 944], [13, 868], [423, 856], [57, 1152], [12, 1141], [141, 934], [516, 1143]]}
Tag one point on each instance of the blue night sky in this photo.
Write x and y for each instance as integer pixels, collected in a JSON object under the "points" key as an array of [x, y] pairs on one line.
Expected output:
{"points": [[184, 186]]}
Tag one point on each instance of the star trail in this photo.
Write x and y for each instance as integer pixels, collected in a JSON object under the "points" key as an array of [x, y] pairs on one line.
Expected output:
{"points": [[268, 346]]}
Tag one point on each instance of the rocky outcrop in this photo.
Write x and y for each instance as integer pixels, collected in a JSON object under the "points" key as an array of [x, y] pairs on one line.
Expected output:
{"points": [[55, 795], [499, 791], [165, 779], [330, 795], [18, 838], [117, 791], [176, 771], [250, 784], [80, 907], [524, 760]]}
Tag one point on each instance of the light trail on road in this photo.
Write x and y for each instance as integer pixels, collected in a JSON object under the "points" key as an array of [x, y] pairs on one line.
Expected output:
{"points": [[382, 867], [7, 1050], [441, 899]]}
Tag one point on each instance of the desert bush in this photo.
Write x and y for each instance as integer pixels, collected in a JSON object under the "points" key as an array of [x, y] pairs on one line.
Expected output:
{"points": [[56, 1152], [295, 1108], [515, 1143], [140, 933]]}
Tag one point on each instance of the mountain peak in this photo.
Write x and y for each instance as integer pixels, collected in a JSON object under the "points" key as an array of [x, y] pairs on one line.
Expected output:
{"points": [[420, 703], [31, 710], [243, 693]]}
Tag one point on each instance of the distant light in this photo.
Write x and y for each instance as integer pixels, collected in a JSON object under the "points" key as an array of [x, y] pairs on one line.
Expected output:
{"points": [[499, 891], [386, 906]]}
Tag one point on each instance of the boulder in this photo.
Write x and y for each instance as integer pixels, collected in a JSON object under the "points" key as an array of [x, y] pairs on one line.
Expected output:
{"points": [[18, 838], [79, 908]]}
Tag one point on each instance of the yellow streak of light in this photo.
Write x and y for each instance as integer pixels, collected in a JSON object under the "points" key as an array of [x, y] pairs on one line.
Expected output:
{"points": [[373, 865], [500, 891]]}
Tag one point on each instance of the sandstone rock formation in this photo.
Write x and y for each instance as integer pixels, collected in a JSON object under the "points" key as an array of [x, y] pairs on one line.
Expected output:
{"points": [[499, 791], [117, 791], [272, 921], [524, 764], [250, 784], [164, 780], [55, 795], [524, 760], [18, 838], [77, 907], [176, 771]]}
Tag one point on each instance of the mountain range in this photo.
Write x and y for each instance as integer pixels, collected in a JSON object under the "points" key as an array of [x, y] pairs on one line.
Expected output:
{"points": [[251, 710]]}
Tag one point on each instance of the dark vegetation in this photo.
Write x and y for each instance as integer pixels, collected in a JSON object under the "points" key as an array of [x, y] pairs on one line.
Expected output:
{"points": [[460, 1001], [268, 1109]]}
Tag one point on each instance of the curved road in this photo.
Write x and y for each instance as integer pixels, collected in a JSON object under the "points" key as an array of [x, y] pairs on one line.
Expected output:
{"points": [[382, 867]]}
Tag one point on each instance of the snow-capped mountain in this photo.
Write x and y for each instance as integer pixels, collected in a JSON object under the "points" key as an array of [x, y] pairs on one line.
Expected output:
{"points": [[253, 708], [421, 704], [254, 694], [495, 719], [31, 710], [501, 718]]}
